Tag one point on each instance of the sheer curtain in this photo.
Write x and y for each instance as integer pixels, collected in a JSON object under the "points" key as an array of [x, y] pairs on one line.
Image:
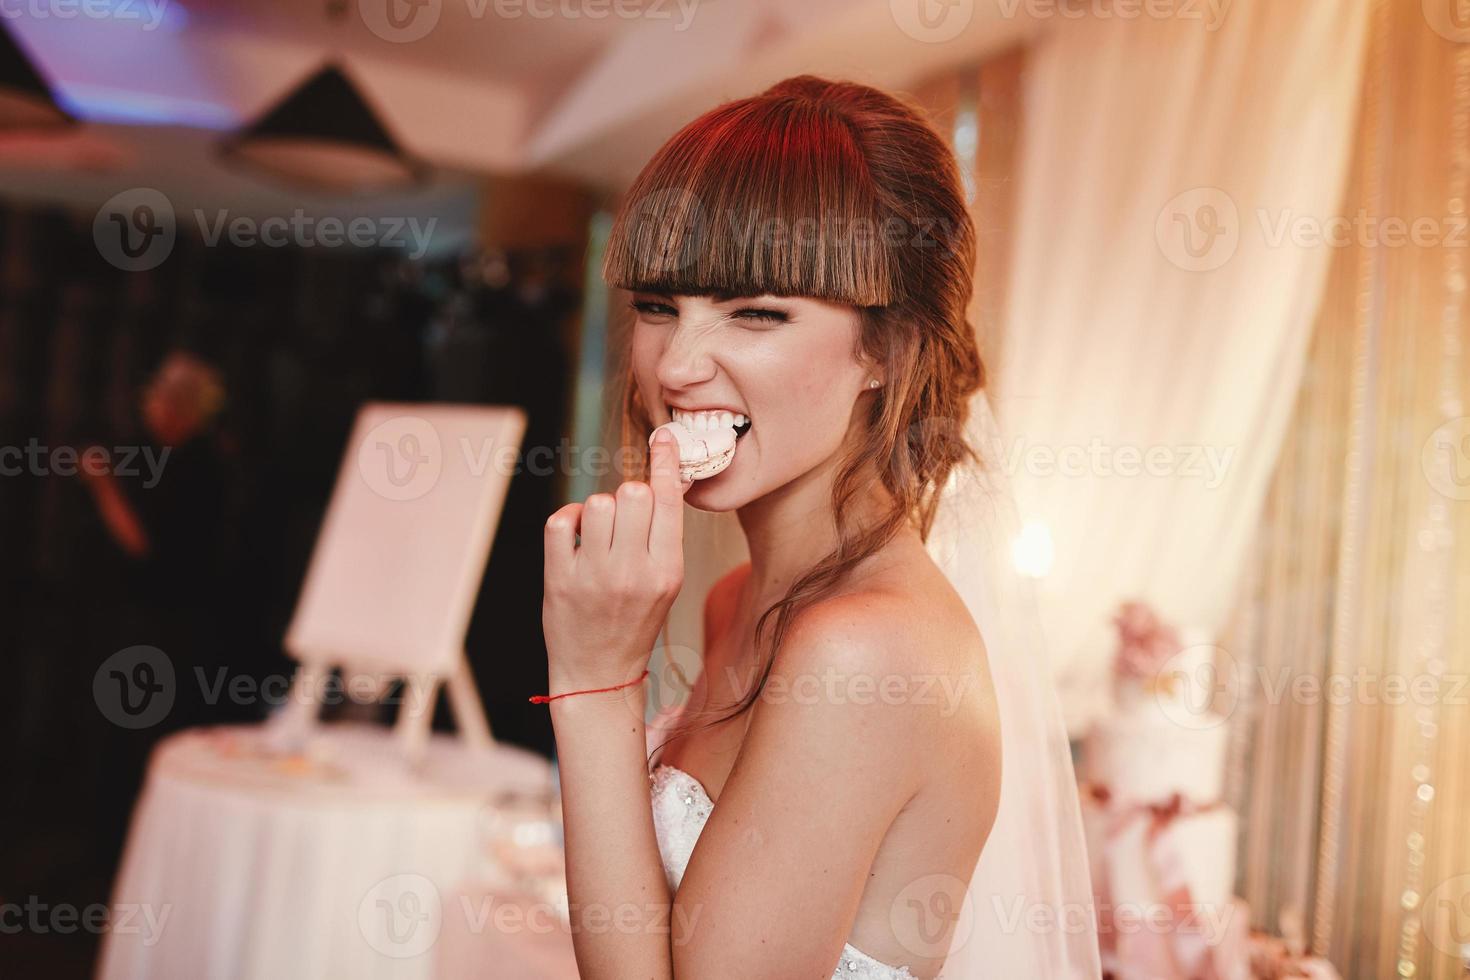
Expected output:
{"points": [[1161, 296], [1357, 803]]}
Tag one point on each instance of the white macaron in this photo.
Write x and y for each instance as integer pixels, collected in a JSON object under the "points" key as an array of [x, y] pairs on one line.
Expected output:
{"points": [[701, 454]]}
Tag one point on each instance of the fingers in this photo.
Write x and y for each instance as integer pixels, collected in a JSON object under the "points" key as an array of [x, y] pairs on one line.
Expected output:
{"points": [[597, 523], [561, 539], [630, 526], [644, 519], [666, 535]]}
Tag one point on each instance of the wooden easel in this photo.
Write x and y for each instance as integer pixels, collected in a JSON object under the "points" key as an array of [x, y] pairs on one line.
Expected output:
{"points": [[398, 563]]}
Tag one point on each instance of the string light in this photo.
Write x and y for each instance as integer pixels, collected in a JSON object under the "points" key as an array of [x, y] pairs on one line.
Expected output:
{"points": [[1344, 647], [1435, 536]]}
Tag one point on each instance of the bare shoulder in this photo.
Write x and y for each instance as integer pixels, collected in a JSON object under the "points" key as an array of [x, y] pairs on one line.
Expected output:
{"points": [[904, 637], [905, 613]]}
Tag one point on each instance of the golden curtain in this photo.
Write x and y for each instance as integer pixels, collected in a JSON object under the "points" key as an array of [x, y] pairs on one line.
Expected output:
{"points": [[1353, 636]]}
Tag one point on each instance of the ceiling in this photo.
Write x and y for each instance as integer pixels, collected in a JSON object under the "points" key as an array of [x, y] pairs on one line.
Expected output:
{"points": [[582, 88]]}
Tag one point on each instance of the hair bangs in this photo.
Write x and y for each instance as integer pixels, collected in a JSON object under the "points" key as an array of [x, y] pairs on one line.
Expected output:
{"points": [[758, 197]]}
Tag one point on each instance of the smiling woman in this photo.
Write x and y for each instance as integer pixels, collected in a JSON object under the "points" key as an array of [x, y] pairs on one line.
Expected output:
{"points": [[800, 264]]}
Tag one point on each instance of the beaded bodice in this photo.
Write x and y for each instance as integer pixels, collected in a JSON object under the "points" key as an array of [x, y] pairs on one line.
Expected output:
{"points": [[680, 809]]}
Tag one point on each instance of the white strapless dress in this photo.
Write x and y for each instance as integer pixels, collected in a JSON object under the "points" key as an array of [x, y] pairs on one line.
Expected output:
{"points": [[680, 809]]}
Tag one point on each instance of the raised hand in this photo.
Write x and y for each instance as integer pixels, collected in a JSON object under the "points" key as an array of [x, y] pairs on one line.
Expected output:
{"points": [[607, 596]]}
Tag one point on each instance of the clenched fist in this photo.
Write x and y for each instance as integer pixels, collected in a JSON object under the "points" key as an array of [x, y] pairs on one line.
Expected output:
{"points": [[607, 597]]}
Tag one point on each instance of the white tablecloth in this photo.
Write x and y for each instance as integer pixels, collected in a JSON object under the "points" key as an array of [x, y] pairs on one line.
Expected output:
{"points": [[245, 866]]}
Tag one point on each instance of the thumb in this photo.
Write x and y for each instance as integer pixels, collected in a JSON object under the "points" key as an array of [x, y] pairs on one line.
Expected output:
{"points": [[663, 459], [666, 534]]}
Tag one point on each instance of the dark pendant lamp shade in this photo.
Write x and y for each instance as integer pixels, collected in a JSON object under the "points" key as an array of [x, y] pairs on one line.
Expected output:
{"points": [[324, 136], [26, 101]]}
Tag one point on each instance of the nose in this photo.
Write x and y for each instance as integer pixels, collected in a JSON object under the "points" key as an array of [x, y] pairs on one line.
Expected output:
{"points": [[687, 358]]}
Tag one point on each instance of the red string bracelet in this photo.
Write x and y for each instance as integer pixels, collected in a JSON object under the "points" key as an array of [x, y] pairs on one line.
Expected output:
{"points": [[543, 698]]}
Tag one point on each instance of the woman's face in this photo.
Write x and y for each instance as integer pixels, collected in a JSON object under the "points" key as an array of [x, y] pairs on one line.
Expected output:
{"points": [[785, 363]]}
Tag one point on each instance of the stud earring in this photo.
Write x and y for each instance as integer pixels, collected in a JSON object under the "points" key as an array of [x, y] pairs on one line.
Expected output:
{"points": [[873, 383]]}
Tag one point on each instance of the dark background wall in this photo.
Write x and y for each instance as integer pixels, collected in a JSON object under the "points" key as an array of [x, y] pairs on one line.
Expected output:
{"points": [[303, 337]]}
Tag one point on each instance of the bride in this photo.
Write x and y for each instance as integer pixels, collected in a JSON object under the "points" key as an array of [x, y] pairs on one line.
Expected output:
{"points": [[799, 265]]}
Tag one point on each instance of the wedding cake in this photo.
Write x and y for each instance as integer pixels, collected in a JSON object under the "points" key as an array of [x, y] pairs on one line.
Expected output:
{"points": [[1161, 841]]}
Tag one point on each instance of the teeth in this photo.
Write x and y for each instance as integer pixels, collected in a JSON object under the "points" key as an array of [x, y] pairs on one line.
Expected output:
{"points": [[706, 421]]}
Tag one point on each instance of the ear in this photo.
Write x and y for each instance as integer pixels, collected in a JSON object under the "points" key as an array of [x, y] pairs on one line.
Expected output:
{"points": [[872, 370], [873, 363]]}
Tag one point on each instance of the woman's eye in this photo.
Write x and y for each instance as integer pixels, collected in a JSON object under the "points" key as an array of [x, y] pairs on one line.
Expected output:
{"points": [[649, 308], [652, 309], [762, 315]]}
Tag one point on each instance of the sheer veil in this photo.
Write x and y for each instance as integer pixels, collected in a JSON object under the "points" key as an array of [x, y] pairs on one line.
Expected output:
{"points": [[1029, 909]]}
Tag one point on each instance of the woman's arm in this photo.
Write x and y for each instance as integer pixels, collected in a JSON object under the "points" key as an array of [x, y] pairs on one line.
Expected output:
{"points": [[607, 596], [775, 880], [615, 881]]}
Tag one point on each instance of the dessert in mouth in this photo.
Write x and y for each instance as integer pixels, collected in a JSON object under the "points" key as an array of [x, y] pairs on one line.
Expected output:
{"points": [[706, 441]]}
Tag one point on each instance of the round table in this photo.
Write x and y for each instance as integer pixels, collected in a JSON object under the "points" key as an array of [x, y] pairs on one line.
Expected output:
{"points": [[244, 863]]}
